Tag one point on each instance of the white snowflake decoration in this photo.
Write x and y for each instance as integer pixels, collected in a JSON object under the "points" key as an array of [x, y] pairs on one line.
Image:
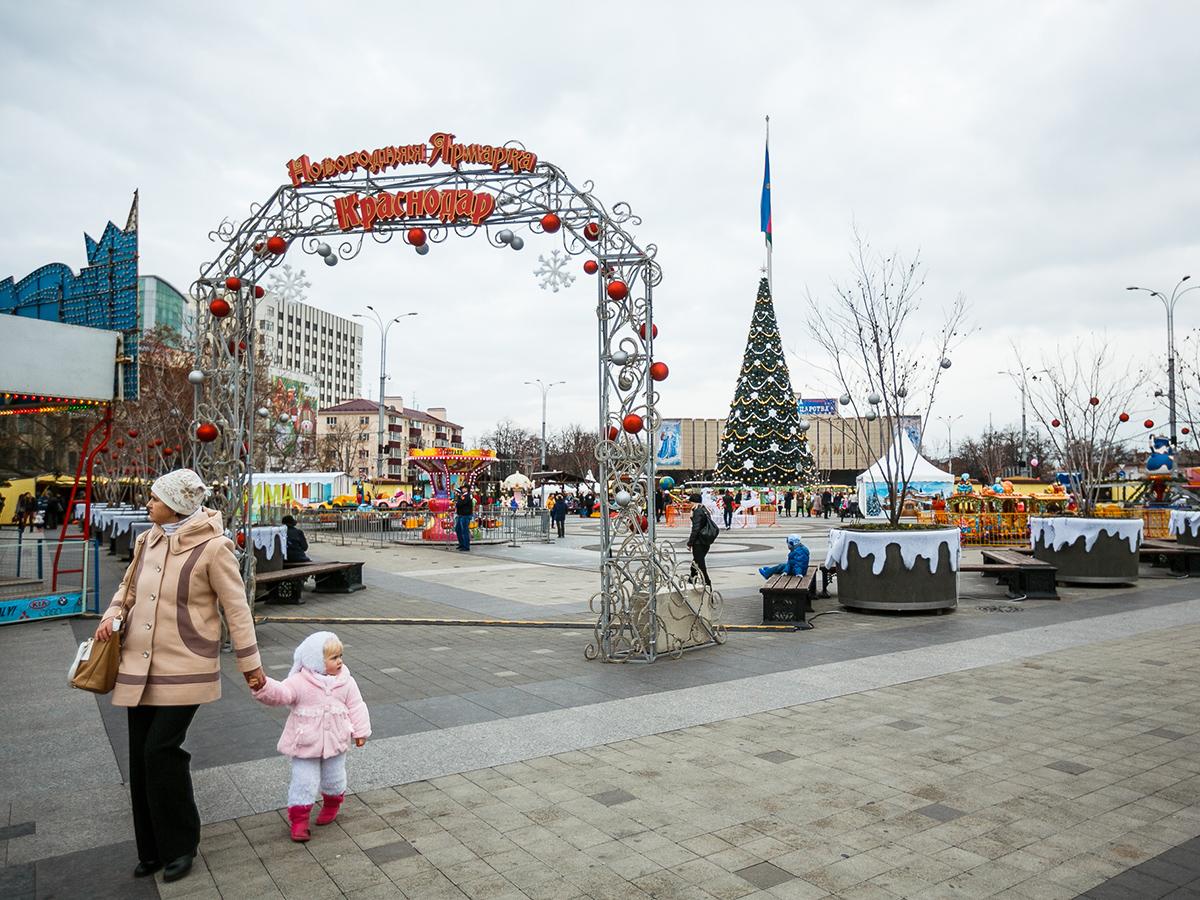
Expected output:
{"points": [[750, 430], [771, 378], [748, 464], [772, 413], [288, 284], [553, 271], [754, 395], [774, 447]]}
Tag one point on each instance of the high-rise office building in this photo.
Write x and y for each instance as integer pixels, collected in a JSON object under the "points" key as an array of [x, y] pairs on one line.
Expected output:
{"points": [[311, 347]]}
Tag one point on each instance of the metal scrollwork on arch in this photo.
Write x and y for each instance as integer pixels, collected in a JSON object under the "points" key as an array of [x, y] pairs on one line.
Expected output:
{"points": [[644, 608]]}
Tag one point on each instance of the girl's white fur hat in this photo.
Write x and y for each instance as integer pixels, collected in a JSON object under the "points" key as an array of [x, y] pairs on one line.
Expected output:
{"points": [[182, 490]]}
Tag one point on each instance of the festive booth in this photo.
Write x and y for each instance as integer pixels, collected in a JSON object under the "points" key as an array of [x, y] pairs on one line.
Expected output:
{"points": [[908, 468], [288, 490]]}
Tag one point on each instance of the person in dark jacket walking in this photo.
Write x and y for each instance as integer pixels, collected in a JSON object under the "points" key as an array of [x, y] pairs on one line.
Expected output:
{"points": [[464, 509], [700, 539], [558, 514], [826, 503], [727, 503], [297, 543], [787, 503]]}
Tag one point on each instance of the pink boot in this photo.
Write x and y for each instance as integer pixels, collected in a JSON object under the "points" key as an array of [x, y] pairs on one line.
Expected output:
{"points": [[329, 808], [298, 816]]}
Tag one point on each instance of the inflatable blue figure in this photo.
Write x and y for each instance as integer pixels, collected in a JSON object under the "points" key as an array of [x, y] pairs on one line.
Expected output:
{"points": [[1161, 459]]}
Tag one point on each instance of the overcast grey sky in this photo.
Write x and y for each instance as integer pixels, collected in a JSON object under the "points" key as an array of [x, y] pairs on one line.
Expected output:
{"points": [[1042, 156]]}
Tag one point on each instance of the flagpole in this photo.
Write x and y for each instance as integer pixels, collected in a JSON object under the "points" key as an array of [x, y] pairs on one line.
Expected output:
{"points": [[767, 238]]}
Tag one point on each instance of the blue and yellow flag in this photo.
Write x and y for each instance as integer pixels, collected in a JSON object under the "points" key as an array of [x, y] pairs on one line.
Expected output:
{"points": [[765, 211]]}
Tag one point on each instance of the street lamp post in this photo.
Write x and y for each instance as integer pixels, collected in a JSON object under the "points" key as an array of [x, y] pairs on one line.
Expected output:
{"points": [[545, 389], [1024, 451], [949, 421], [1169, 304], [384, 328]]}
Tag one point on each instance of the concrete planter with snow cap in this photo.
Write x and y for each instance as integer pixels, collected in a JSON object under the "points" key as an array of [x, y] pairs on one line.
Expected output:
{"points": [[901, 570], [1088, 551], [1185, 525]]}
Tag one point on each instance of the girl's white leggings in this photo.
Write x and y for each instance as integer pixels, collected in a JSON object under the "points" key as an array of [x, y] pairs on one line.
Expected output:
{"points": [[311, 775]]}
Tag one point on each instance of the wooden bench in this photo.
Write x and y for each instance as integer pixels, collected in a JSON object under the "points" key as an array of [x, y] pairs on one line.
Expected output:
{"points": [[286, 585], [1024, 576], [787, 598], [1182, 559]]}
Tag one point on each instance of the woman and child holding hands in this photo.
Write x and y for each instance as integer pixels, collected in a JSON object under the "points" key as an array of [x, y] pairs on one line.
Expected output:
{"points": [[184, 574]]}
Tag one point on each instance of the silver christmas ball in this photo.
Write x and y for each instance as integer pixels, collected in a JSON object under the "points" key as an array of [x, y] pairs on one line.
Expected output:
{"points": [[324, 249], [871, 415], [622, 498], [423, 250], [195, 376], [331, 260], [504, 236], [619, 357], [804, 426], [625, 380], [874, 399], [285, 418], [844, 399], [517, 242], [945, 362], [902, 392], [263, 411]]}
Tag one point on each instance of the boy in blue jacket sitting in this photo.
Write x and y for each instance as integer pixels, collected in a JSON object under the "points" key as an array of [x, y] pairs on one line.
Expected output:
{"points": [[797, 561]]}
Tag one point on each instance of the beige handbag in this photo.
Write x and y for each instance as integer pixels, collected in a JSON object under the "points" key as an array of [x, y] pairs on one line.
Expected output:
{"points": [[96, 662]]}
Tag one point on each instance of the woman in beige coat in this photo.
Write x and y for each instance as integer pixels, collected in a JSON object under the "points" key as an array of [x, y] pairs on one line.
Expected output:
{"points": [[183, 568]]}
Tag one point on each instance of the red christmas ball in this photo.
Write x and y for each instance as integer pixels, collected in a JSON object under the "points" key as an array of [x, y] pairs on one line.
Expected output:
{"points": [[632, 423], [591, 231], [133, 432], [416, 237], [233, 283], [1149, 423], [612, 432], [591, 267], [178, 449], [1055, 423], [259, 293], [617, 290], [1095, 401], [642, 330], [206, 432], [238, 348], [258, 247], [167, 451], [276, 244], [120, 442], [644, 523], [219, 307], [659, 371], [1124, 417], [551, 223], [241, 539], [158, 442], [1186, 430]]}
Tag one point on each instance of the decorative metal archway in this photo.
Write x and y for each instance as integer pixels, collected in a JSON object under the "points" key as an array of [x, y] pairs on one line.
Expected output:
{"points": [[643, 608]]}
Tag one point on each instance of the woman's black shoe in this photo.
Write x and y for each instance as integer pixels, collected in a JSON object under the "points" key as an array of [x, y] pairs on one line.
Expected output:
{"points": [[144, 868], [177, 868]]}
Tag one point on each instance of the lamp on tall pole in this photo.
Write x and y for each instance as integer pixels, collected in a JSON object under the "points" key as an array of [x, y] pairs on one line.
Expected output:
{"points": [[1024, 451], [1169, 304], [950, 420], [384, 328], [545, 389]]}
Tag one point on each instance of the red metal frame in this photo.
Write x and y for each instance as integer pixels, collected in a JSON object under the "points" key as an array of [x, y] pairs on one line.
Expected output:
{"points": [[84, 467]]}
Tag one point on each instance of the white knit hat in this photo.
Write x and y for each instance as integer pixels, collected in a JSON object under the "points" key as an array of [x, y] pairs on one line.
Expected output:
{"points": [[311, 653], [182, 490]]}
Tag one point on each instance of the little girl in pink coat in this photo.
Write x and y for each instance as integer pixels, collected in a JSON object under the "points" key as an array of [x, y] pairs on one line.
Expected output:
{"points": [[327, 713]]}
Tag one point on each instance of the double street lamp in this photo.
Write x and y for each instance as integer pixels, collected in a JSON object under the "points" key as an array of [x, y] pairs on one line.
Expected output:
{"points": [[1169, 304], [384, 328], [949, 422], [545, 389]]}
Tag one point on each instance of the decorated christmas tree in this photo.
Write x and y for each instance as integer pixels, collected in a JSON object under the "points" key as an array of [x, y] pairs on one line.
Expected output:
{"points": [[763, 443]]}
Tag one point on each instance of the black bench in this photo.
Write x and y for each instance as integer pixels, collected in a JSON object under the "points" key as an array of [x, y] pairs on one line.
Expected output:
{"points": [[1032, 578], [285, 585], [1182, 559], [787, 598]]}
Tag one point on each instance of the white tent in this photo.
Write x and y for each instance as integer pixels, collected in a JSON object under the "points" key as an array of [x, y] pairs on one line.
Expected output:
{"points": [[919, 473]]}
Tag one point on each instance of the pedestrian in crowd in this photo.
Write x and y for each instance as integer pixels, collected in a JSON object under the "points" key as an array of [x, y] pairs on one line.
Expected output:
{"points": [[815, 508], [826, 503], [52, 511], [727, 504], [184, 570], [19, 512], [796, 563], [297, 543], [843, 507], [788, 496], [3, 500], [660, 504], [464, 509], [558, 514], [700, 539], [317, 744]]}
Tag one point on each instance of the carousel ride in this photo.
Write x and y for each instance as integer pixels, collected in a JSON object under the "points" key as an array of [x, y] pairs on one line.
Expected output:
{"points": [[447, 467]]}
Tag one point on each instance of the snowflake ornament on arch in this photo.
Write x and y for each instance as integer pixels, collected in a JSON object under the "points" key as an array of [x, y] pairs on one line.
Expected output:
{"points": [[553, 273], [288, 284]]}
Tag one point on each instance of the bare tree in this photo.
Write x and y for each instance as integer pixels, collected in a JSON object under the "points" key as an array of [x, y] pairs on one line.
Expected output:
{"points": [[514, 446], [883, 369], [339, 448], [997, 452], [573, 449], [1079, 397]]}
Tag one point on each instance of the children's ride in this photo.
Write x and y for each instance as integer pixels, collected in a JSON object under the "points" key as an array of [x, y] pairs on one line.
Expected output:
{"points": [[445, 466]]}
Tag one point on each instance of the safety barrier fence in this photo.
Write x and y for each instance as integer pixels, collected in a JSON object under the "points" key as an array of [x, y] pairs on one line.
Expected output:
{"points": [[992, 529], [382, 527], [29, 588]]}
